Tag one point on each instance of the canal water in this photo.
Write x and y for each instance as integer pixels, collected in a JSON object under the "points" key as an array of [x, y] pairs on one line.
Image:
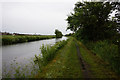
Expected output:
{"points": [[21, 54]]}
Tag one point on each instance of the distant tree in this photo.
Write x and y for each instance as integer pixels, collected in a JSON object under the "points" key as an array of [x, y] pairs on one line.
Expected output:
{"points": [[90, 20], [58, 33]]}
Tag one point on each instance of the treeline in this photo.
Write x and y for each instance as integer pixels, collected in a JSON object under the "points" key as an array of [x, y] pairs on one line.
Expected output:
{"points": [[92, 25], [10, 39]]}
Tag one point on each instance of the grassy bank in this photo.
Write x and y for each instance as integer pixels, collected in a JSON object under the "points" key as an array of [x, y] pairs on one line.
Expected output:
{"points": [[48, 52], [107, 51], [98, 67], [9, 39], [64, 65]]}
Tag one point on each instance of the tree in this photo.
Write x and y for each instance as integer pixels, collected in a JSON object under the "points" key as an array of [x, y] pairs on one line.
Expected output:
{"points": [[58, 34], [91, 21]]}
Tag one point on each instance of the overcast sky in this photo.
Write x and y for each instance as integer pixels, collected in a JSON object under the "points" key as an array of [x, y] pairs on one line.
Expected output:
{"points": [[33, 16]]}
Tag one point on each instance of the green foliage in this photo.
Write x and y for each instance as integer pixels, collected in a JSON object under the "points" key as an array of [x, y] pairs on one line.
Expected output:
{"points": [[58, 34], [107, 51], [92, 20], [47, 53], [9, 39]]}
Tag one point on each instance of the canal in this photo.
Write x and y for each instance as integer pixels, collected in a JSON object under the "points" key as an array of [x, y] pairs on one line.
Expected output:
{"points": [[21, 54]]}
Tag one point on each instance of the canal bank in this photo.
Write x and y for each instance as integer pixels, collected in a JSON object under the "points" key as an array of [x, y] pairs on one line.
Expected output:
{"points": [[73, 60], [23, 52], [14, 39], [68, 64]]}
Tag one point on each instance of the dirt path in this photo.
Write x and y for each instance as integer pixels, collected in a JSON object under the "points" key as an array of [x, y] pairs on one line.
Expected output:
{"points": [[83, 65]]}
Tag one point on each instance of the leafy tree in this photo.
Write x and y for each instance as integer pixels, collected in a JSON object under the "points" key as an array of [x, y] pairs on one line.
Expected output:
{"points": [[58, 33], [91, 21]]}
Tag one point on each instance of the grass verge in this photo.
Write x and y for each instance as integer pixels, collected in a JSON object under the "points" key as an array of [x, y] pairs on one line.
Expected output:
{"points": [[97, 67], [64, 65], [107, 51]]}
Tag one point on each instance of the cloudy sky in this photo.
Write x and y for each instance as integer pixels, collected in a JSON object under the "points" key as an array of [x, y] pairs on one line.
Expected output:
{"points": [[35, 16]]}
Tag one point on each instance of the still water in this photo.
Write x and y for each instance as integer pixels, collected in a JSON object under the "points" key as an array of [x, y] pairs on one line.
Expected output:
{"points": [[21, 53]]}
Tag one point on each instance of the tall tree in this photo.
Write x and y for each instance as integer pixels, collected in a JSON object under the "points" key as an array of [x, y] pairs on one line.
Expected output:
{"points": [[90, 20]]}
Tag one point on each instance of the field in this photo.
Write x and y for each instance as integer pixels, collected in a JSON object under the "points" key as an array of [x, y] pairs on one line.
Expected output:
{"points": [[10, 39]]}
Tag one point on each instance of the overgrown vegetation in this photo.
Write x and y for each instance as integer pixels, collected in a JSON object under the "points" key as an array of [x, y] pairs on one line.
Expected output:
{"points": [[48, 53], [107, 51], [9, 39], [97, 66]]}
